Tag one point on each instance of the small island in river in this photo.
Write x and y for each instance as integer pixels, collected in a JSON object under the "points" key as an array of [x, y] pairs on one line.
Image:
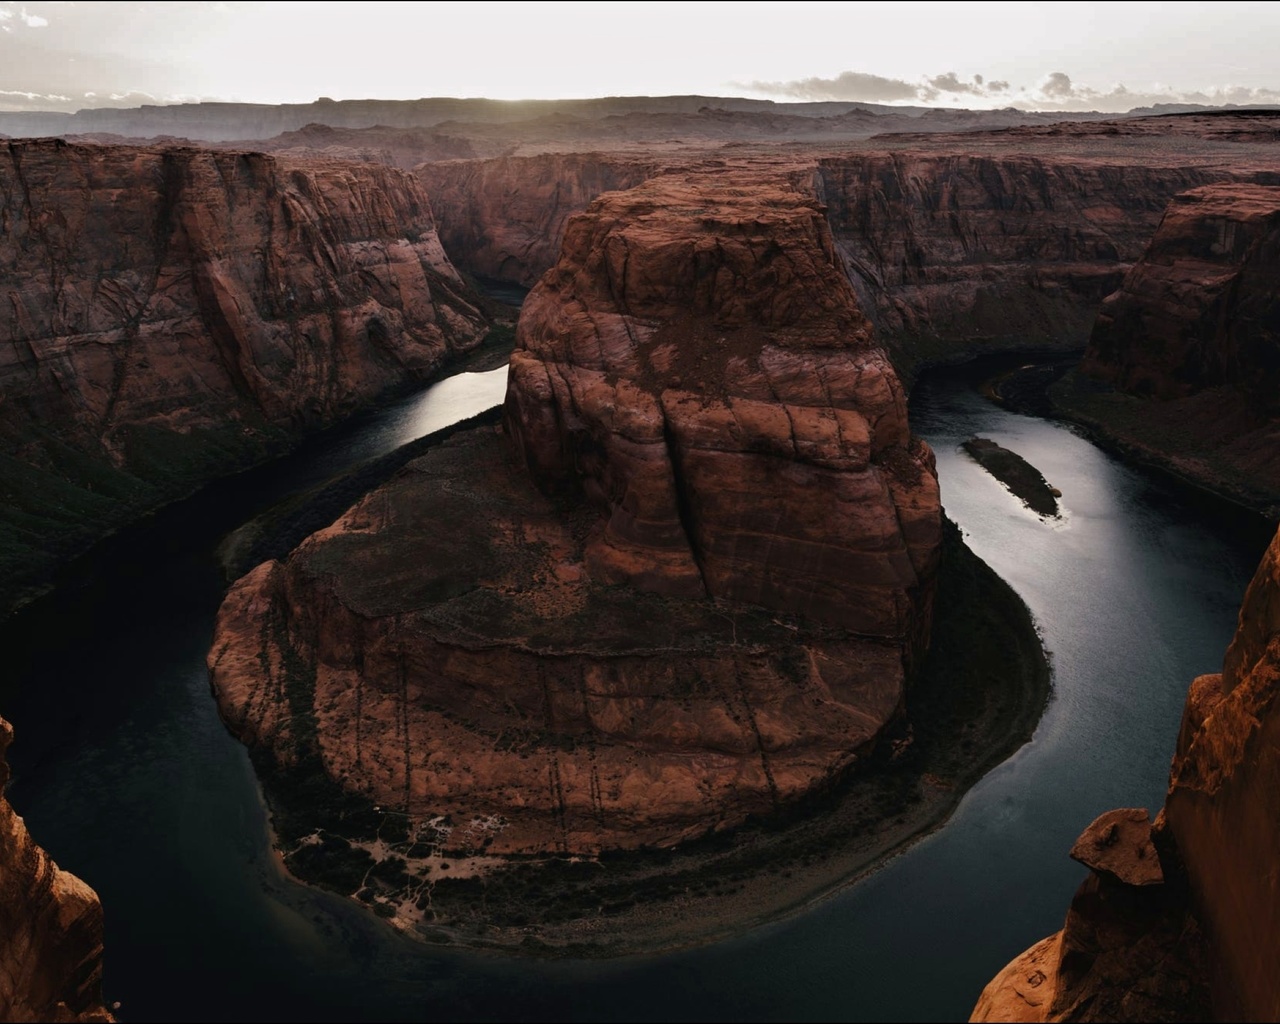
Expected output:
{"points": [[1021, 478]]}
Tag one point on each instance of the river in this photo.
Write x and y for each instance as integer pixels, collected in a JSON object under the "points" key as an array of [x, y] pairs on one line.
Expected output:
{"points": [[125, 773]]}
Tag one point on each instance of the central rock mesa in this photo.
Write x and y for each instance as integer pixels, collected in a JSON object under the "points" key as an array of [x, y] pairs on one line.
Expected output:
{"points": [[689, 586]]}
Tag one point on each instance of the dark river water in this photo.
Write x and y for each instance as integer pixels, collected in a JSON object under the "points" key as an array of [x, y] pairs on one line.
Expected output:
{"points": [[126, 775]]}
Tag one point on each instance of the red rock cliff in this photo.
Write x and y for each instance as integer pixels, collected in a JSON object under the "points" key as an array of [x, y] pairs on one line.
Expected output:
{"points": [[50, 928], [694, 337], [504, 218], [1183, 365], [1182, 920], [706, 608], [956, 254], [167, 312], [953, 253], [1202, 307]]}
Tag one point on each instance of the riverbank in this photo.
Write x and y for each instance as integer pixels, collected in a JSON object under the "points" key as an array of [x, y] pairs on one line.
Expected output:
{"points": [[1200, 441], [977, 698], [1197, 442]]}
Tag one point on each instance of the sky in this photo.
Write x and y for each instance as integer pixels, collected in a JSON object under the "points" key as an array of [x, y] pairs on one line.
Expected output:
{"points": [[1051, 56]]}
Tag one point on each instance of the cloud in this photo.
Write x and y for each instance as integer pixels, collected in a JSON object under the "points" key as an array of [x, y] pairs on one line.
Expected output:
{"points": [[45, 97], [1054, 91], [33, 20], [1057, 86], [1057, 91], [848, 85], [950, 82]]}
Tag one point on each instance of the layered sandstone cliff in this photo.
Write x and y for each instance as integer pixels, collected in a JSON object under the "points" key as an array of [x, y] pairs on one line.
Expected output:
{"points": [[1188, 348], [1182, 920], [50, 928], [169, 314], [955, 254], [687, 587], [504, 218], [954, 251]]}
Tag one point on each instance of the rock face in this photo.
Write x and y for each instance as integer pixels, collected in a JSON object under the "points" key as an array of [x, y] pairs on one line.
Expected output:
{"points": [[957, 254], [1223, 802], [952, 253], [1199, 939], [692, 339], [50, 928], [1190, 343], [504, 218], [1202, 307], [687, 587], [169, 314]]}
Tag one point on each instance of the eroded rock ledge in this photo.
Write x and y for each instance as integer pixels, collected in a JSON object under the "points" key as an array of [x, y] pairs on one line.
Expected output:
{"points": [[50, 928], [687, 586], [1194, 935]]}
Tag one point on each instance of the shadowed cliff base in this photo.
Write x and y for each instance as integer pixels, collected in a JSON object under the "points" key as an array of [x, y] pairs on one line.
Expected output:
{"points": [[976, 699]]}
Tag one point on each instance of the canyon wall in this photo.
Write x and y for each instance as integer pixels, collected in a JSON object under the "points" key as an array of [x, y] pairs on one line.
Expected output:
{"points": [[1202, 307], [687, 586], [952, 254], [504, 219], [957, 254], [1180, 920], [1183, 366], [171, 314], [50, 928]]}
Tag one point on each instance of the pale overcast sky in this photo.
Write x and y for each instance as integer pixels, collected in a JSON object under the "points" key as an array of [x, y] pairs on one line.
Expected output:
{"points": [[1106, 56]]}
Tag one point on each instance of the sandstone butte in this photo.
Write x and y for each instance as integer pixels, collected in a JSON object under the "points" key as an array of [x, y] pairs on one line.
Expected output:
{"points": [[686, 584], [169, 314], [1190, 342], [50, 928], [1180, 920]]}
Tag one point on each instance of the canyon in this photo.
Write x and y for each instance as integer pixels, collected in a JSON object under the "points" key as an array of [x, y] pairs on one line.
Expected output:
{"points": [[958, 245], [1177, 918], [174, 314], [632, 616]]}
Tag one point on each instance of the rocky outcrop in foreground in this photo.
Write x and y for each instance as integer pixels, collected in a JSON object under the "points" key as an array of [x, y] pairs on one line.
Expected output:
{"points": [[1180, 920], [50, 928], [1184, 360], [687, 586], [170, 314]]}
